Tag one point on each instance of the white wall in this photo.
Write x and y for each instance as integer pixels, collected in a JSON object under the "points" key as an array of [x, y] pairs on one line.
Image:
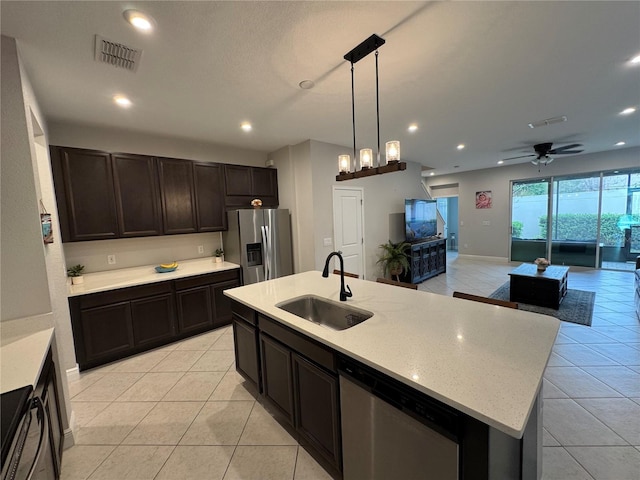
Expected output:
{"points": [[24, 287], [313, 167], [492, 240], [28, 267]]}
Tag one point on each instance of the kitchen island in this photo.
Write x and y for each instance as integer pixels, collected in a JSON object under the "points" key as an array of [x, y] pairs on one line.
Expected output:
{"points": [[483, 361]]}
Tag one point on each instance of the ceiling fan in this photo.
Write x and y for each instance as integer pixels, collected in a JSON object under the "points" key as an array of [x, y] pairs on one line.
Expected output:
{"points": [[543, 150]]}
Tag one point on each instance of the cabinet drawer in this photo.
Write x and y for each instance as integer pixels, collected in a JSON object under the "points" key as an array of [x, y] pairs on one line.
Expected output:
{"points": [[124, 294], [206, 279], [244, 312], [310, 349]]}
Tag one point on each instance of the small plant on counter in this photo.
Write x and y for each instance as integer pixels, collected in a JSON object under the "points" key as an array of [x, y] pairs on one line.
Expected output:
{"points": [[219, 254], [394, 258], [75, 273]]}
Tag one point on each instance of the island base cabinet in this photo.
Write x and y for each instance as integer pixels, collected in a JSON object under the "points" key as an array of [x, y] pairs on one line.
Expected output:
{"points": [[317, 409], [246, 350], [277, 384]]}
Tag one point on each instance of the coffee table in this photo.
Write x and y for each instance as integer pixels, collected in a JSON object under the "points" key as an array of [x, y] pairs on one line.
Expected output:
{"points": [[543, 288]]}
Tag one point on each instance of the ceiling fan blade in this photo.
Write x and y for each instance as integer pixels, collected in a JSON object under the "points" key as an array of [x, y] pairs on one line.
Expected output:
{"points": [[566, 149], [565, 152], [521, 156]]}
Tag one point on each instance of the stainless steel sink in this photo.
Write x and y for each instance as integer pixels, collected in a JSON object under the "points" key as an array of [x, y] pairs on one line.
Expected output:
{"points": [[325, 312]]}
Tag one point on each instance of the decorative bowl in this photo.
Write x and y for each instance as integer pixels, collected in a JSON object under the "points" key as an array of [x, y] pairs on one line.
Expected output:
{"points": [[165, 270]]}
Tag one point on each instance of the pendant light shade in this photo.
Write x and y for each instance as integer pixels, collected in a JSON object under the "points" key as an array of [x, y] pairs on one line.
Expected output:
{"points": [[366, 158], [393, 151], [344, 164]]}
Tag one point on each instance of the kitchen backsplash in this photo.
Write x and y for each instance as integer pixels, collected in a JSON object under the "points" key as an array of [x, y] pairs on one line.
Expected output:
{"points": [[135, 252]]}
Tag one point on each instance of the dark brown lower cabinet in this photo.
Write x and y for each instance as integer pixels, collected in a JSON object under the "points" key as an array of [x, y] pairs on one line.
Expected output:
{"points": [[105, 332], [194, 309], [277, 380], [297, 378], [246, 350], [317, 408], [111, 325], [153, 319]]}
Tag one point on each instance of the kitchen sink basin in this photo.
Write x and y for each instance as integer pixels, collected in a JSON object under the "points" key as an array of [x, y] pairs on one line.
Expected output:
{"points": [[334, 315]]}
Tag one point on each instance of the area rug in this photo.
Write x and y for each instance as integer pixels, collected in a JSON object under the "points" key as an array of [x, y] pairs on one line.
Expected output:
{"points": [[577, 306]]}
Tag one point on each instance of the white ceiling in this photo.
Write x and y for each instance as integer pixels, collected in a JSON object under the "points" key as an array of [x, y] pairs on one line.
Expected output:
{"points": [[466, 72]]}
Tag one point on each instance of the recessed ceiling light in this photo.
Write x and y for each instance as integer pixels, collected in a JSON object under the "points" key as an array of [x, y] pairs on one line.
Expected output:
{"points": [[460, 147], [413, 127], [307, 84], [432, 174], [619, 144], [635, 60], [628, 111], [500, 162], [246, 126], [122, 101], [139, 20]]}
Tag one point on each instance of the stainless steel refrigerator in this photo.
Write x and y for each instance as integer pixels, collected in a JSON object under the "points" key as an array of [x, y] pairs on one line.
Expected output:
{"points": [[259, 240]]}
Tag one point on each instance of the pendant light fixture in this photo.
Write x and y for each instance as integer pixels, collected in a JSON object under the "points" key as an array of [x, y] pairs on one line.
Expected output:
{"points": [[367, 168]]}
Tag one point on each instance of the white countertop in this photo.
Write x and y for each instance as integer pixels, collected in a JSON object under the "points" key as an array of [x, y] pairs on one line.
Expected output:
{"points": [[129, 277], [23, 349], [483, 360]]}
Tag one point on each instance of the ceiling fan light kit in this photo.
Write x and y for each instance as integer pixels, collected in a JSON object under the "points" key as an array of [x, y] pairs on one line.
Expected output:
{"points": [[543, 150], [392, 149]]}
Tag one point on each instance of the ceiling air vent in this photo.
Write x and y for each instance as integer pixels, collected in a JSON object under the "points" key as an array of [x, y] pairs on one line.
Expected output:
{"points": [[548, 121], [117, 54]]}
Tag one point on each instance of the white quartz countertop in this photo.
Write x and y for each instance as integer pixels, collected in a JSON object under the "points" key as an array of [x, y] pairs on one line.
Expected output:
{"points": [[483, 360], [129, 277], [23, 350]]}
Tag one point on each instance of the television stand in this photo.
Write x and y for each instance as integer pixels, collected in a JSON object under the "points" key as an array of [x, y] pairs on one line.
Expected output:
{"points": [[428, 258]]}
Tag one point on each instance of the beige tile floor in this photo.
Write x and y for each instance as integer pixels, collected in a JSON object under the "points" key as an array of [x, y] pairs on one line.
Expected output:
{"points": [[182, 412]]}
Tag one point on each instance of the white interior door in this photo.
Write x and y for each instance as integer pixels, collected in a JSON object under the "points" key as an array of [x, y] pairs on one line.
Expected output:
{"points": [[348, 212]]}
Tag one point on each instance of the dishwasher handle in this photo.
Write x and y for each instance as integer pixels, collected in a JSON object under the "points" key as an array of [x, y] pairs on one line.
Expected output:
{"points": [[44, 435]]}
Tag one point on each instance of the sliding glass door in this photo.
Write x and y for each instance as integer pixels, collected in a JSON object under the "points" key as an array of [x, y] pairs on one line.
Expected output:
{"points": [[529, 226], [591, 220], [574, 221]]}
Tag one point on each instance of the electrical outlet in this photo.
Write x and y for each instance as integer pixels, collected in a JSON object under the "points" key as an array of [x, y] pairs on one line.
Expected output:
{"points": [[486, 222], [200, 248], [111, 259], [327, 242]]}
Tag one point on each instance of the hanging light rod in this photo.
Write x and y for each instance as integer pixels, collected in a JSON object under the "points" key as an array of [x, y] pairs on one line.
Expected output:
{"points": [[370, 45]]}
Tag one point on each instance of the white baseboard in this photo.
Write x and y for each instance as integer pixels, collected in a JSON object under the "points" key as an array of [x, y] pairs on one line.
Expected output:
{"points": [[484, 258], [73, 373], [69, 440]]}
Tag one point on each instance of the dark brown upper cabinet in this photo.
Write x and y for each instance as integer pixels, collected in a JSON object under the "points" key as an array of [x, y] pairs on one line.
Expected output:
{"points": [[104, 195], [243, 184], [177, 194], [209, 193], [83, 181], [137, 195]]}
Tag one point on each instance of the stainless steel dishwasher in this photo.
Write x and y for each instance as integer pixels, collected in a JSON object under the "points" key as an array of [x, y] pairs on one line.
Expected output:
{"points": [[391, 432]]}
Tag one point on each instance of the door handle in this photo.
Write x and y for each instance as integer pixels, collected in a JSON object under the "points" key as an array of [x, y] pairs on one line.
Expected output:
{"points": [[265, 252]]}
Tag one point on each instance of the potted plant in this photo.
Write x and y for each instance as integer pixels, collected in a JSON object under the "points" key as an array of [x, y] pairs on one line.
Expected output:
{"points": [[75, 273], [394, 258], [219, 253]]}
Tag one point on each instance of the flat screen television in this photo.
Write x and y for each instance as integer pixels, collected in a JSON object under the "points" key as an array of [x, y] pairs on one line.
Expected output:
{"points": [[420, 219]]}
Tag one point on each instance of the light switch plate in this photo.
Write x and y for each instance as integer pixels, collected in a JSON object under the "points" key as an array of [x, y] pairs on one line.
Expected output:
{"points": [[486, 222], [328, 242]]}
